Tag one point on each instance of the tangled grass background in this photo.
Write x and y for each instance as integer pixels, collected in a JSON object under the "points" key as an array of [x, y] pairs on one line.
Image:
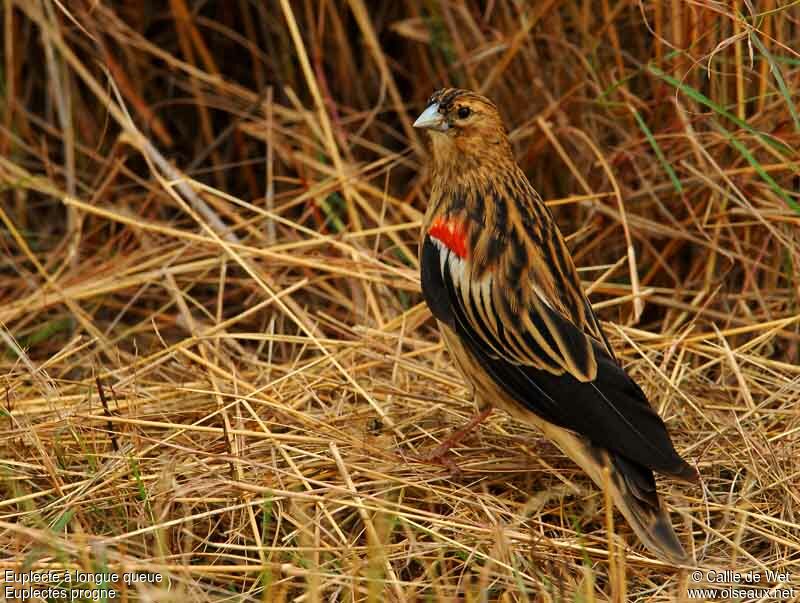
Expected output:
{"points": [[215, 363]]}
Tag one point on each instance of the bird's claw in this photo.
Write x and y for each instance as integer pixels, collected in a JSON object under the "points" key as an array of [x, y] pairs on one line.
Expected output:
{"points": [[440, 457]]}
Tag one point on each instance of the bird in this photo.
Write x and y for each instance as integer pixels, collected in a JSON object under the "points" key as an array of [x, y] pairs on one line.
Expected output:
{"points": [[500, 281]]}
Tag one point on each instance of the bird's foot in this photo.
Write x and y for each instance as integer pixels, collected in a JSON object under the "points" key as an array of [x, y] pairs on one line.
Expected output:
{"points": [[446, 461], [440, 454]]}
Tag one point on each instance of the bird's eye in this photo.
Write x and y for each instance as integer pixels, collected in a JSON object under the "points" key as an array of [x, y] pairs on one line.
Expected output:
{"points": [[464, 112]]}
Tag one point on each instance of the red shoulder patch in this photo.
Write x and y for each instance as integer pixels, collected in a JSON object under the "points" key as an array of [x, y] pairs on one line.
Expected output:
{"points": [[451, 233]]}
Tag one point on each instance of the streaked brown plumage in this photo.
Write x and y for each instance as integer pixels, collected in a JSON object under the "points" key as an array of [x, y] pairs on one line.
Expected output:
{"points": [[501, 283]]}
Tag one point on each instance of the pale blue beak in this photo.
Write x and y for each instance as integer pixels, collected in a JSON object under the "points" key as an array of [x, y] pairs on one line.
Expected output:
{"points": [[431, 119]]}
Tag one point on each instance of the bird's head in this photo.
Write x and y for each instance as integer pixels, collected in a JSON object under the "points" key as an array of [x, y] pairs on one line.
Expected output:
{"points": [[465, 128]]}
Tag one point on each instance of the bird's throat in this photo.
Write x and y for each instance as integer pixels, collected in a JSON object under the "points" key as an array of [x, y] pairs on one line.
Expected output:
{"points": [[460, 159]]}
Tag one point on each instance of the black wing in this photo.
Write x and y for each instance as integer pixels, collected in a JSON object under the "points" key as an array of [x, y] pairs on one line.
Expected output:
{"points": [[610, 410]]}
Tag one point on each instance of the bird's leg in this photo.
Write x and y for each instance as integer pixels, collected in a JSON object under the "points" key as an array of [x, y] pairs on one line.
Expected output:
{"points": [[442, 449]]}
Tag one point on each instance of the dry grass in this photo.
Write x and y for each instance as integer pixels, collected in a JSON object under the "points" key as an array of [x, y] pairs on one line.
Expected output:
{"points": [[214, 360]]}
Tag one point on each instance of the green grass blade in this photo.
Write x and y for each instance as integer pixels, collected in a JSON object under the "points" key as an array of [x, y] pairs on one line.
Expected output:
{"points": [[659, 153], [776, 72], [704, 100], [745, 152]]}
